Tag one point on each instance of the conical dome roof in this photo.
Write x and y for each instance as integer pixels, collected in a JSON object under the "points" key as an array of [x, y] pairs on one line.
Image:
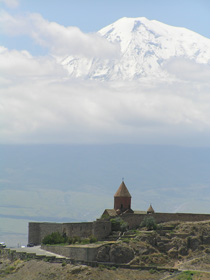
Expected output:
{"points": [[150, 209], [122, 191]]}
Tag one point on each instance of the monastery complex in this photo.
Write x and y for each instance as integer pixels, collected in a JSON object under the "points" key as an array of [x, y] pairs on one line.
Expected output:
{"points": [[102, 228]]}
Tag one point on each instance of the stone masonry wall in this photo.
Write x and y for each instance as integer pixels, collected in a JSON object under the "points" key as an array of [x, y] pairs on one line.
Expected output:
{"points": [[134, 220], [34, 233], [48, 228], [183, 217], [37, 231], [78, 229], [73, 252], [101, 229]]}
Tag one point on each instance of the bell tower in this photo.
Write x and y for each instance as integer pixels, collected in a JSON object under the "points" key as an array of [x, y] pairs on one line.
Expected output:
{"points": [[122, 198]]}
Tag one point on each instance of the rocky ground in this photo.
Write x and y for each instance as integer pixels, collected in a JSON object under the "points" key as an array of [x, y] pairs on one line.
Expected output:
{"points": [[173, 244], [185, 246], [41, 270]]}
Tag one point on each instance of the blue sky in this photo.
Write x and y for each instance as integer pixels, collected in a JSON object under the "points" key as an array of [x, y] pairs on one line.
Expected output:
{"points": [[92, 15]]}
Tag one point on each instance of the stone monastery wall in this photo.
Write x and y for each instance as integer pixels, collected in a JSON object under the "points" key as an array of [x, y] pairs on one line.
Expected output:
{"points": [[101, 229], [134, 220], [37, 231]]}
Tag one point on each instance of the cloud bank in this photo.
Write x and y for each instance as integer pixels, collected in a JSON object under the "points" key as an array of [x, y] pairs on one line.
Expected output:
{"points": [[39, 103], [59, 40]]}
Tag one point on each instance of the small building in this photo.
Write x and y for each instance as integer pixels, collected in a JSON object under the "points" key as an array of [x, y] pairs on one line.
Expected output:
{"points": [[122, 202]]}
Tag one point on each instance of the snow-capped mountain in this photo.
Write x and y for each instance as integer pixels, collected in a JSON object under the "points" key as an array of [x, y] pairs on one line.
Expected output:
{"points": [[145, 46]]}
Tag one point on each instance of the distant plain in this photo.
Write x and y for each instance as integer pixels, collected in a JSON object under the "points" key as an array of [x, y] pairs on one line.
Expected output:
{"points": [[69, 183]]}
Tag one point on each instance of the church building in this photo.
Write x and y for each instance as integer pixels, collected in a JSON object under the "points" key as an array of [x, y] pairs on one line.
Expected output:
{"points": [[122, 203]]}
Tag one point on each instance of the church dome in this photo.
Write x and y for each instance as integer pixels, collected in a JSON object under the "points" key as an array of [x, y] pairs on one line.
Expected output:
{"points": [[150, 210]]}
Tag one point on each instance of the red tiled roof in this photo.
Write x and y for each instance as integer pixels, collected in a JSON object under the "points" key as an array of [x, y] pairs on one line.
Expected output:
{"points": [[122, 191]]}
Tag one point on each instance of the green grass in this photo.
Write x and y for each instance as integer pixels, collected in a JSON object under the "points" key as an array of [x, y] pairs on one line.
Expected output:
{"points": [[186, 275], [126, 240], [152, 271], [9, 269]]}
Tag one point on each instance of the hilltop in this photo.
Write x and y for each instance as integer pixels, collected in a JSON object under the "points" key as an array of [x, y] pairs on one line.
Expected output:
{"points": [[184, 246]]}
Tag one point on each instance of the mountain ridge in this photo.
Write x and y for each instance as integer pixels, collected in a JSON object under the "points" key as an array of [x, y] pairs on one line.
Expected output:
{"points": [[145, 47]]}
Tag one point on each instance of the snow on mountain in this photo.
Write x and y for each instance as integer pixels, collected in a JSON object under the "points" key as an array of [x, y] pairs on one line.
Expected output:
{"points": [[145, 46]]}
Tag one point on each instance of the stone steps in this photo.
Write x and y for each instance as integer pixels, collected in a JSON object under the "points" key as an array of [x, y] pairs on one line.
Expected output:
{"points": [[128, 235], [180, 235], [114, 236]]}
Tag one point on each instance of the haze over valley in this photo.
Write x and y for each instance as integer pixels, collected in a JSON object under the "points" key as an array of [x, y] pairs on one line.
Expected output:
{"points": [[64, 183]]}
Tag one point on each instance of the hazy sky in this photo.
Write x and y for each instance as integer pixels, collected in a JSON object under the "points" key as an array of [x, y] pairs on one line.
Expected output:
{"points": [[39, 104]]}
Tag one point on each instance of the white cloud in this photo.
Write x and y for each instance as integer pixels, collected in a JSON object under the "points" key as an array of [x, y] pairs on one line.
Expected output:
{"points": [[10, 3], [189, 70], [39, 103], [23, 65], [60, 40]]}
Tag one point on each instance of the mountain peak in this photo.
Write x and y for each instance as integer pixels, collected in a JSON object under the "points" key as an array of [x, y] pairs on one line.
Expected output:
{"points": [[145, 46]]}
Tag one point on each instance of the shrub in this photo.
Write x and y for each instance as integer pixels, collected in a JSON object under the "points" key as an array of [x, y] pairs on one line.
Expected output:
{"points": [[54, 238], [105, 217], [57, 238], [70, 240], [63, 263], [76, 239], [85, 241], [152, 271], [149, 223], [126, 240], [119, 224], [101, 267], [123, 226], [186, 275], [92, 239]]}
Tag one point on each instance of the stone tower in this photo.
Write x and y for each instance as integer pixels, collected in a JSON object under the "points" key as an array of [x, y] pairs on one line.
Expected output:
{"points": [[122, 198]]}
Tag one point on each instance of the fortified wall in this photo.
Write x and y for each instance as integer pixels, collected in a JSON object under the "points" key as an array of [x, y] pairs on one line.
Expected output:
{"points": [[102, 228], [37, 231], [134, 220]]}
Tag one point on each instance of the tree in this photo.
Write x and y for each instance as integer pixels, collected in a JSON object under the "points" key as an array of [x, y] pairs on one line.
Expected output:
{"points": [[54, 238], [118, 224], [149, 223]]}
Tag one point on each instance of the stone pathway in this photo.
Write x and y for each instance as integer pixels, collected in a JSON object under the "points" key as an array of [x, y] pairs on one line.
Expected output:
{"points": [[38, 251]]}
